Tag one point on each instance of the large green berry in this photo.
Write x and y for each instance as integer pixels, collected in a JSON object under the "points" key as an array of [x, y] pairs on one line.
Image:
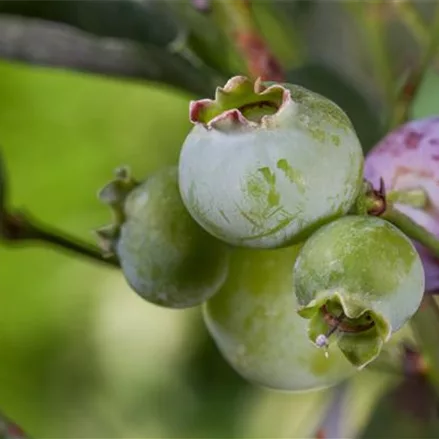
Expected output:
{"points": [[361, 278], [265, 165], [165, 255], [256, 327]]}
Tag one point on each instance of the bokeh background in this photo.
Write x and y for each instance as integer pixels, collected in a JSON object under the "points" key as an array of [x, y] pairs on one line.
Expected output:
{"points": [[81, 355]]}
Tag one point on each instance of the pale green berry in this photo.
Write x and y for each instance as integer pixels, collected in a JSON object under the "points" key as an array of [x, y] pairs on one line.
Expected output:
{"points": [[266, 165], [166, 257], [254, 323], [358, 280]]}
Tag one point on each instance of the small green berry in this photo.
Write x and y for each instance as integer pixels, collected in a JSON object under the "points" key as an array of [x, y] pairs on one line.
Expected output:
{"points": [[166, 257], [361, 279]]}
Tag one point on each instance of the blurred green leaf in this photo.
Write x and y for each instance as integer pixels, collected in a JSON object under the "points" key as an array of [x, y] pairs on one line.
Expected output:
{"points": [[425, 325], [198, 370], [354, 402], [426, 102], [280, 32], [329, 83], [62, 135], [155, 36], [409, 410], [3, 185], [410, 407], [284, 414], [294, 9], [147, 21]]}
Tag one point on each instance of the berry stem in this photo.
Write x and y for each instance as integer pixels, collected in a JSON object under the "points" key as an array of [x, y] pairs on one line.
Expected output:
{"points": [[18, 228], [411, 197], [412, 229], [244, 33]]}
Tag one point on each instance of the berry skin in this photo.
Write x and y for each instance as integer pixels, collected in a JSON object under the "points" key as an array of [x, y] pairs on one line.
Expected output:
{"points": [[408, 158], [166, 257], [255, 326], [360, 278], [266, 165]]}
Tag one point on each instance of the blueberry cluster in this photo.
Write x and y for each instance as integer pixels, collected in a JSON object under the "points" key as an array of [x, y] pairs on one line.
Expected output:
{"points": [[265, 223]]}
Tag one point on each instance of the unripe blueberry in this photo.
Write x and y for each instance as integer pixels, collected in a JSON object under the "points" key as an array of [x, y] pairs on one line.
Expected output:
{"points": [[361, 278], [253, 321], [265, 165], [408, 158], [166, 257]]}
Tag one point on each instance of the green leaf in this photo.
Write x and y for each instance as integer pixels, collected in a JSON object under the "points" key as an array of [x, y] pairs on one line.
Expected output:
{"points": [[3, 186], [145, 22], [408, 410], [282, 24], [296, 9], [426, 102], [280, 31], [409, 406], [353, 402], [331, 84], [62, 135], [285, 415], [150, 33], [425, 326]]}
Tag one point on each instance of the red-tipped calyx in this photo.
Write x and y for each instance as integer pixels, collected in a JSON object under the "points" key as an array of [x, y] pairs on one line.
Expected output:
{"points": [[240, 103]]}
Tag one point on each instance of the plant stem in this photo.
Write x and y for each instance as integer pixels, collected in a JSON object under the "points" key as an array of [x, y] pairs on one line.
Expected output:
{"points": [[18, 228], [237, 17], [412, 229], [417, 198], [411, 86]]}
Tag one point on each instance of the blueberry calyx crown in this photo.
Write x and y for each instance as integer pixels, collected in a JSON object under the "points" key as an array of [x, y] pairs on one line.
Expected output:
{"points": [[114, 194], [360, 332], [241, 103]]}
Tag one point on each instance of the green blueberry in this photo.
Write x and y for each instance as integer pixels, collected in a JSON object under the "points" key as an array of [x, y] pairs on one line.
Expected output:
{"points": [[267, 164], [166, 257], [360, 279], [254, 323]]}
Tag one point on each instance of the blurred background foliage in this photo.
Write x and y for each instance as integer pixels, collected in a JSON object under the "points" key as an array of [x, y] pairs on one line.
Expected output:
{"points": [[87, 86]]}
